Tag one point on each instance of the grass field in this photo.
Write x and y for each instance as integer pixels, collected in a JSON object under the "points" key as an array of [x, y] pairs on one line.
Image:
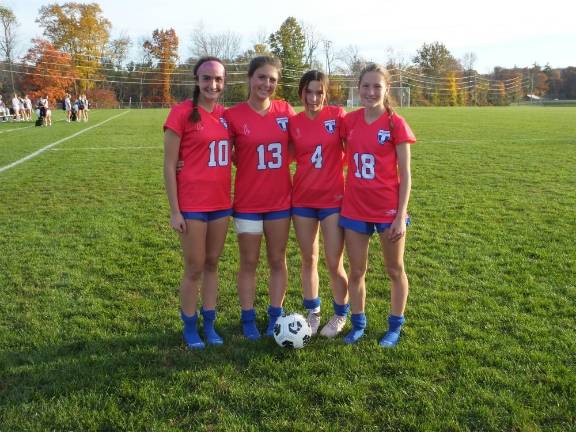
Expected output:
{"points": [[90, 337]]}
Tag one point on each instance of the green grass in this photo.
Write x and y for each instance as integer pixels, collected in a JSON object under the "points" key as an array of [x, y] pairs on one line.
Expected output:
{"points": [[89, 272]]}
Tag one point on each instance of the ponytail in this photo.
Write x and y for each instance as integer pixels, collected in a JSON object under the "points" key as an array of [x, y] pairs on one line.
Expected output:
{"points": [[389, 110], [195, 114]]}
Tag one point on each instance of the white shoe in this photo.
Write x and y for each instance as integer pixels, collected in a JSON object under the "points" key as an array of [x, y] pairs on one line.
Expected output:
{"points": [[314, 321], [334, 326]]}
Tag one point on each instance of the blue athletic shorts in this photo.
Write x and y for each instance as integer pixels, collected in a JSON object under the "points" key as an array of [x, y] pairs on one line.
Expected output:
{"points": [[281, 214], [207, 216], [362, 227], [315, 213]]}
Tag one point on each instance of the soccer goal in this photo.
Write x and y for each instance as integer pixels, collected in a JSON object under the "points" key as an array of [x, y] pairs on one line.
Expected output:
{"points": [[400, 97]]}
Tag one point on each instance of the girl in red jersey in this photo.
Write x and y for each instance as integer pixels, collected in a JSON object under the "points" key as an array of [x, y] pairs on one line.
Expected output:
{"points": [[195, 132], [259, 131], [317, 194], [376, 197]]}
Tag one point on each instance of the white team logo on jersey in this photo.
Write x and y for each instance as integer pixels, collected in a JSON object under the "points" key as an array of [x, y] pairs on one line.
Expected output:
{"points": [[330, 126], [223, 121], [383, 136], [283, 123]]}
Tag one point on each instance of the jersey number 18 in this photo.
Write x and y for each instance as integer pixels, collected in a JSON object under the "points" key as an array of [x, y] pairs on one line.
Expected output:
{"points": [[365, 166]]}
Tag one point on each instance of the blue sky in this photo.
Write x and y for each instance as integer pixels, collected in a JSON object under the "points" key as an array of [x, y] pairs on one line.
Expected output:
{"points": [[500, 33]]}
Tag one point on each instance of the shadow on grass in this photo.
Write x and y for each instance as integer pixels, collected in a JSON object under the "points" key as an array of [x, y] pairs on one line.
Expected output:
{"points": [[101, 365]]}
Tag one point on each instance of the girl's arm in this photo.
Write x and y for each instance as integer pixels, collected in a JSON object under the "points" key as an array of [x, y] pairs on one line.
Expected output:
{"points": [[171, 149], [398, 228]]}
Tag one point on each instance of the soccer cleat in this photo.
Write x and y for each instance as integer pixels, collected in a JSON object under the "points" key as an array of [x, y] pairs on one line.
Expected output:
{"points": [[354, 336], [358, 326], [273, 314], [392, 336], [249, 328], [334, 326], [190, 333], [390, 339], [314, 321], [212, 337]]}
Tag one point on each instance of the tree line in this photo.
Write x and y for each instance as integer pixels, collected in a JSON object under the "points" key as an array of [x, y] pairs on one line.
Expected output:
{"points": [[77, 55]]}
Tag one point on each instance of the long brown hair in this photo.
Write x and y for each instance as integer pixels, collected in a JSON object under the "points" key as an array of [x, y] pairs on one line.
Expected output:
{"points": [[195, 115], [374, 67]]}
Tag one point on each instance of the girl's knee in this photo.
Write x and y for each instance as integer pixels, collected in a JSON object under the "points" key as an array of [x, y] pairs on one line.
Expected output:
{"points": [[357, 274], [193, 274], [309, 261], [395, 271], [211, 264], [277, 263]]}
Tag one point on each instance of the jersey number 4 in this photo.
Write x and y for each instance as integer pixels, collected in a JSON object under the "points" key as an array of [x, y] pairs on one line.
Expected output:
{"points": [[222, 150], [365, 166], [275, 150], [316, 158]]}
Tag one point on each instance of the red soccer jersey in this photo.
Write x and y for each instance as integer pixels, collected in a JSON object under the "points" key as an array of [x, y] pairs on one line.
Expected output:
{"points": [[204, 181], [262, 181], [372, 182], [319, 178]]}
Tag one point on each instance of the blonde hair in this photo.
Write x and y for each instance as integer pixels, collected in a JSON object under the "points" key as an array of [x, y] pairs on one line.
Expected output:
{"points": [[374, 67]]}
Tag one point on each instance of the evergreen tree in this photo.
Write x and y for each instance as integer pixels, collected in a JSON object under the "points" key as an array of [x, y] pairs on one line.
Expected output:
{"points": [[288, 44]]}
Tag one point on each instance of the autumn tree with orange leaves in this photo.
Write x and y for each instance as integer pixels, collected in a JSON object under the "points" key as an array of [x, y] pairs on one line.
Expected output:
{"points": [[80, 30], [164, 48], [47, 71]]}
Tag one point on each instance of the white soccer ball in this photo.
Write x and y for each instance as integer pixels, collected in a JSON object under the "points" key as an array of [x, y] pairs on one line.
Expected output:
{"points": [[292, 331]]}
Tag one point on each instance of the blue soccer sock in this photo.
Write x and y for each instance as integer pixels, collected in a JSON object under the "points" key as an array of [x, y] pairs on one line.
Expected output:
{"points": [[191, 336], [392, 336], [273, 315], [358, 326], [212, 337], [340, 310], [312, 306], [248, 318]]}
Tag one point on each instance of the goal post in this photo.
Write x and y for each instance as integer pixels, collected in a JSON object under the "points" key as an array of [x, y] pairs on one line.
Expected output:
{"points": [[400, 97]]}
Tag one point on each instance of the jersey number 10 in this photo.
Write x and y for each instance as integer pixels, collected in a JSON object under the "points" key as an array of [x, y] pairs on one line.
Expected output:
{"points": [[222, 151]]}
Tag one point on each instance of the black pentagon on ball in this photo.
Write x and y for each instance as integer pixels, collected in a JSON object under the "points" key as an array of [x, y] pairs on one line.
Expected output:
{"points": [[306, 339], [295, 327], [287, 344], [276, 329]]}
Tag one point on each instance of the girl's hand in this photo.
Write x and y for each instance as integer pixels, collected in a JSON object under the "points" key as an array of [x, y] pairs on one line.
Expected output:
{"points": [[177, 222], [179, 166], [398, 229]]}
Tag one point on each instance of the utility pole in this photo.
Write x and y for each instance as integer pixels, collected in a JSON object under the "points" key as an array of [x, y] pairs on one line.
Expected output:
{"points": [[327, 46]]}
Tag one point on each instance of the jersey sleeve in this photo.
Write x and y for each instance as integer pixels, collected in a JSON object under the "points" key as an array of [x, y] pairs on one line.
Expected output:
{"points": [[174, 121], [402, 132], [290, 109]]}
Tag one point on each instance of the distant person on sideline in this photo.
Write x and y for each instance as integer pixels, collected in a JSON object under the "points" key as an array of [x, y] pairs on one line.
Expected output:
{"points": [[199, 195], [45, 111]]}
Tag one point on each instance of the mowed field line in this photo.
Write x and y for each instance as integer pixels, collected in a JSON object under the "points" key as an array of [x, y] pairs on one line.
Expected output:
{"points": [[49, 146], [106, 148], [16, 129]]}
